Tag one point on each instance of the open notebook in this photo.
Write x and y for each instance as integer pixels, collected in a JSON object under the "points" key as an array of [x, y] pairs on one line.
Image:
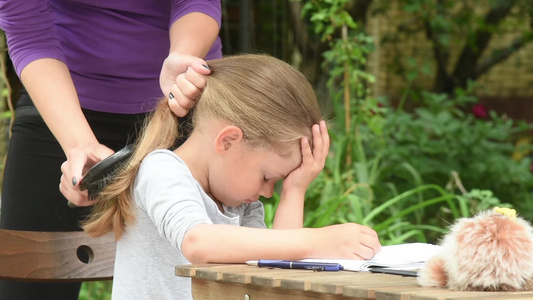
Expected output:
{"points": [[409, 256]]}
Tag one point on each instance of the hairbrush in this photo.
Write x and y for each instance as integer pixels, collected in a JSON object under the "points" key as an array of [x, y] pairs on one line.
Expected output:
{"points": [[103, 173]]}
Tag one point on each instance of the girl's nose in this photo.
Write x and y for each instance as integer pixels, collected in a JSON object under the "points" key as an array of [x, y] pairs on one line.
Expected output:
{"points": [[268, 189]]}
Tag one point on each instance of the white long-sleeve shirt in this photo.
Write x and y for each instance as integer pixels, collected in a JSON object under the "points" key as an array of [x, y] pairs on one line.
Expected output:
{"points": [[169, 202]]}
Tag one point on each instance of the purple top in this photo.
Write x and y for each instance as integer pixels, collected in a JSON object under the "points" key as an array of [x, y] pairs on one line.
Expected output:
{"points": [[114, 49]]}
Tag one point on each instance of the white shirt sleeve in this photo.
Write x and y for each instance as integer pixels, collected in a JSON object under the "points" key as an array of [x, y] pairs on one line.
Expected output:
{"points": [[165, 189]]}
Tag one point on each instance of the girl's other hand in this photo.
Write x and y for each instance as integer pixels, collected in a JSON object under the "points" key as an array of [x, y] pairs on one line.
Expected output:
{"points": [[345, 241], [312, 161], [182, 80], [80, 160]]}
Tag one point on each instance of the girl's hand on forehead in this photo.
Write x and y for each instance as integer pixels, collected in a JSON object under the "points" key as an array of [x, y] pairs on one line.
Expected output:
{"points": [[313, 160]]}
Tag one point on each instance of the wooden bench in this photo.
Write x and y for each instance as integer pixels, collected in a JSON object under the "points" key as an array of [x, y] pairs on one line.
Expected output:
{"points": [[55, 256]]}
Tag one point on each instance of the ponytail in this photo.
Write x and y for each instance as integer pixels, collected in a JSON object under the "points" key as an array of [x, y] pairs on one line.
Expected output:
{"points": [[115, 209]]}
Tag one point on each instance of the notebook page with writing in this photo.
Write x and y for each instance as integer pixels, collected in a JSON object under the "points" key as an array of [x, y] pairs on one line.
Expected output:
{"points": [[403, 256]]}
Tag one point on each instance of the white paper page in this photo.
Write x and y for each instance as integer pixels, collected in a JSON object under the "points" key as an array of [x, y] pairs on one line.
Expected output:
{"points": [[403, 256]]}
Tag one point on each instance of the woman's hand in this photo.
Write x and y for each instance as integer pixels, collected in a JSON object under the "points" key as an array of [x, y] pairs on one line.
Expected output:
{"points": [[182, 80], [312, 161], [80, 160]]}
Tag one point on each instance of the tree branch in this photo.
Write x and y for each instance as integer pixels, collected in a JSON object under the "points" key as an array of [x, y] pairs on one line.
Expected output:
{"points": [[310, 49], [466, 64], [441, 52], [442, 55], [299, 27], [501, 55], [358, 10]]}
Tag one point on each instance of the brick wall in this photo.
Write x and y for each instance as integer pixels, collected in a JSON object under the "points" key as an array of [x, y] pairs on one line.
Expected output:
{"points": [[506, 88]]}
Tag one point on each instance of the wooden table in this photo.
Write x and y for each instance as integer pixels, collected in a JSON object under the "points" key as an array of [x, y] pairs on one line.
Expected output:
{"points": [[242, 282]]}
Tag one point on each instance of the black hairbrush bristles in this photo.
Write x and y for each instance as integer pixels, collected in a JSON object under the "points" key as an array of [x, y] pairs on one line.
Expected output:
{"points": [[103, 173]]}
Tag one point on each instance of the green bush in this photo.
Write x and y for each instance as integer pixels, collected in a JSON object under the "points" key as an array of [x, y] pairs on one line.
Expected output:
{"points": [[443, 143]]}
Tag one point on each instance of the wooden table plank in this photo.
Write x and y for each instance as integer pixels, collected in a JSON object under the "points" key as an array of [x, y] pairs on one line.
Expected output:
{"points": [[335, 283], [190, 270], [464, 295], [216, 290], [275, 278], [305, 283], [215, 272], [368, 289], [246, 275], [226, 281], [403, 292]]}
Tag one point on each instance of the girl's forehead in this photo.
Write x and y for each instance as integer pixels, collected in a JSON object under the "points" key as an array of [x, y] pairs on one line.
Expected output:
{"points": [[278, 165]]}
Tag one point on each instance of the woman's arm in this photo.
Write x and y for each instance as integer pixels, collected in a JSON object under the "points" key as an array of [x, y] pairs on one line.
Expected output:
{"points": [[195, 27], [39, 61], [193, 34], [51, 88]]}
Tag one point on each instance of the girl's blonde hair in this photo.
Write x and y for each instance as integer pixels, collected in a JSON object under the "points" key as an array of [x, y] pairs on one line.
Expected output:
{"points": [[272, 103]]}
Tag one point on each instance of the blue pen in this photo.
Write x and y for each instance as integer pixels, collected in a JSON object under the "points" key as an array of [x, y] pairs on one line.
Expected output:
{"points": [[291, 264]]}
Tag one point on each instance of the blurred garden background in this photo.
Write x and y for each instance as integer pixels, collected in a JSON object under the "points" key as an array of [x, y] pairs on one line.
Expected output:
{"points": [[429, 104]]}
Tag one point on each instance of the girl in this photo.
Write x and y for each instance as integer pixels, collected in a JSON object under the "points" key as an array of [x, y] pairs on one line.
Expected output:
{"points": [[257, 122]]}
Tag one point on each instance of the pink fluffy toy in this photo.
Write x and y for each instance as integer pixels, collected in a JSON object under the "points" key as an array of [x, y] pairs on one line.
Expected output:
{"points": [[492, 251]]}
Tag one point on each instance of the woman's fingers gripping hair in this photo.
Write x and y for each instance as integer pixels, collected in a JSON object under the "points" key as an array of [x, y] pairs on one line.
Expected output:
{"points": [[186, 91]]}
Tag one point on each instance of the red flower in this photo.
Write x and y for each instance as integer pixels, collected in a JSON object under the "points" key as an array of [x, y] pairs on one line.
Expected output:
{"points": [[479, 111], [531, 167], [373, 112]]}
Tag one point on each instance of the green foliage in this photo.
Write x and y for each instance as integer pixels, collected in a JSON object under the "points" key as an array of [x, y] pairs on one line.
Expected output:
{"points": [[327, 16], [92, 290], [439, 138]]}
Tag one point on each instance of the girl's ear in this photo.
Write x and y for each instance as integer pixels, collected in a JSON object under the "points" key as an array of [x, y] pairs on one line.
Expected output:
{"points": [[228, 137]]}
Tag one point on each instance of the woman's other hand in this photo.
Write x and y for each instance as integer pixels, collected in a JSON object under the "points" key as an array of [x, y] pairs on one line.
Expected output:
{"points": [[182, 80], [80, 160]]}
